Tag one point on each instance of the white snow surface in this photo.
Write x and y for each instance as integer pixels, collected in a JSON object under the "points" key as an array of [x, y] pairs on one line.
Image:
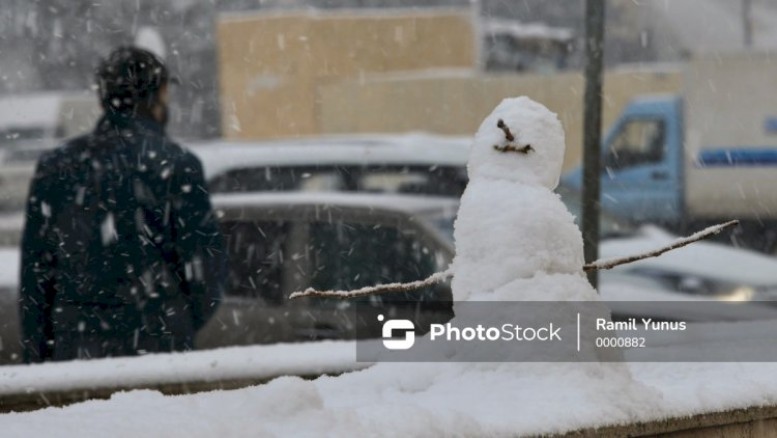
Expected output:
{"points": [[417, 400], [234, 363]]}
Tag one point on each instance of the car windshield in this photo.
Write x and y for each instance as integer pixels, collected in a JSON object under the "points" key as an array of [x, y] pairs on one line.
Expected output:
{"points": [[378, 178]]}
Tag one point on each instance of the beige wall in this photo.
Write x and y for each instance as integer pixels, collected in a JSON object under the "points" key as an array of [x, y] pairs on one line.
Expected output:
{"points": [[457, 103], [270, 64], [307, 73]]}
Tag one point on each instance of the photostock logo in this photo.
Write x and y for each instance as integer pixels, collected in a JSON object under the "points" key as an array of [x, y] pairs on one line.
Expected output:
{"points": [[405, 326]]}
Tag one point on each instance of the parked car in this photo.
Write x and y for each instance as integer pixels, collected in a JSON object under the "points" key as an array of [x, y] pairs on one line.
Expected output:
{"points": [[412, 163], [31, 124], [17, 165], [283, 242], [703, 269]]}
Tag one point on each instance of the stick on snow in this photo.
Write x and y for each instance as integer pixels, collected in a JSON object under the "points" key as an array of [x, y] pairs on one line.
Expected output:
{"points": [[679, 243], [442, 276], [433, 279]]}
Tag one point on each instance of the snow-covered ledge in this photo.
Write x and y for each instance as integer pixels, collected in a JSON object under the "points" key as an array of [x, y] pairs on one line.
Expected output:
{"points": [[32, 387], [29, 387]]}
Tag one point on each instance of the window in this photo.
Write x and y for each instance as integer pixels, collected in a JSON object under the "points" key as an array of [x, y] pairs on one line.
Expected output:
{"points": [[270, 259], [256, 258], [431, 180], [260, 179], [354, 255], [638, 142]]}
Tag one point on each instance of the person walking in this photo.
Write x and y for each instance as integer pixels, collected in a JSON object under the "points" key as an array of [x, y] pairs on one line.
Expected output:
{"points": [[121, 251]]}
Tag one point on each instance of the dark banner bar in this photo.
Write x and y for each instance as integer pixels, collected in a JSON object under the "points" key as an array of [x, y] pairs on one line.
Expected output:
{"points": [[531, 331]]}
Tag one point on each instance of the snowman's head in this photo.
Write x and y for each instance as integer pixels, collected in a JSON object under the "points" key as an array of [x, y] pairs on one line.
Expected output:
{"points": [[521, 141]]}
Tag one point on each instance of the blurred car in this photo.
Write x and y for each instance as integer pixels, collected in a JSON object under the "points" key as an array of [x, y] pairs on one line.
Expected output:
{"points": [[17, 166], [31, 124], [412, 163], [279, 243], [703, 269]]}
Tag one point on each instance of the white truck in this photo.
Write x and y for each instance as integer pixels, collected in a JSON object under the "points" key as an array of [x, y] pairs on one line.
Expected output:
{"points": [[705, 156]]}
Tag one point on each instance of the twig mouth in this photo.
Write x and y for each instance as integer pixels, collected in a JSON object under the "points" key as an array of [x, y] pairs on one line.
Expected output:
{"points": [[513, 148], [510, 146]]}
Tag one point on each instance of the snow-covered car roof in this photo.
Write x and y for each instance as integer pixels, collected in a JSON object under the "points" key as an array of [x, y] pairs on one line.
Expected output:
{"points": [[9, 267], [35, 109], [374, 149], [705, 259], [710, 260]]}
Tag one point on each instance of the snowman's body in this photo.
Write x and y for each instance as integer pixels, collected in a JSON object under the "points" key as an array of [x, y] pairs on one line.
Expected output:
{"points": [[507, 231]]}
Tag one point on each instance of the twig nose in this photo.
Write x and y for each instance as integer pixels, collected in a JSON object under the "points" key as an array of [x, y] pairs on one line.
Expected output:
{"points": [[508, 135]]}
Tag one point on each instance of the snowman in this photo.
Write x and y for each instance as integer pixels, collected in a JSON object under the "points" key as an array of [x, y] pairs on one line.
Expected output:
{"points": [[510, 224], [515, 239]]}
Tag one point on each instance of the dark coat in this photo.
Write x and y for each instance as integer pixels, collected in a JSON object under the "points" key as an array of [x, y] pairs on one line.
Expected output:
{"points": [[121, 252]]}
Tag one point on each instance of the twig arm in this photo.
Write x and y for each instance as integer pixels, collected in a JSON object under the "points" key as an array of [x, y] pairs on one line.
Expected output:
{"points": [[695, 237], [442, 276], [435, 278]]}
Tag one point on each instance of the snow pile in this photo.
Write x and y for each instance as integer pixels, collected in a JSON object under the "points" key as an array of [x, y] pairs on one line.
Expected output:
{"points": [[260, 362], [409, 399], [398, 400]]}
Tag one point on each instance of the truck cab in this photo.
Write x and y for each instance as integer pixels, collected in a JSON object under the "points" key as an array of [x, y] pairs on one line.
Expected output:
{"points": [[642, 162]]}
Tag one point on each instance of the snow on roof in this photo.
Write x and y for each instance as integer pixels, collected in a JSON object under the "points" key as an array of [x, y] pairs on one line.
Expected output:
{"points": [[378, 201], [708, 260], [9, 267], [34, 110], [713, 26], [421, 149], [522, 31]]}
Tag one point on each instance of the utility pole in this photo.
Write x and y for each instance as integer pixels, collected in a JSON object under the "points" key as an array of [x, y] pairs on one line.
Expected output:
{"points": [[592, 127], [747, 23]]}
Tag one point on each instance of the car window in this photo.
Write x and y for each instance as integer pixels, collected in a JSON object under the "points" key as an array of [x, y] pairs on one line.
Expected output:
{"points": [[353, 255], [431, 180], [261, 179], [256, 257], [639, 141], [270, 259], [14, 135]]}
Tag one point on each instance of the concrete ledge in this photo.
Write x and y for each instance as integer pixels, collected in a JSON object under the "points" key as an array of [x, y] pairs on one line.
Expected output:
{"points": [[753, 422]]}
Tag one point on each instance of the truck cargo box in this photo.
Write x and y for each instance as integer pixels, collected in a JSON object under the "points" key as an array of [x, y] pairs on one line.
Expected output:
{"points": [[730, 112]]}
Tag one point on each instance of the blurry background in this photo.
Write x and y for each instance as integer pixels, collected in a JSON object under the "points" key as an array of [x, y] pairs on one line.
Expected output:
{"points": [[53, 45]]}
